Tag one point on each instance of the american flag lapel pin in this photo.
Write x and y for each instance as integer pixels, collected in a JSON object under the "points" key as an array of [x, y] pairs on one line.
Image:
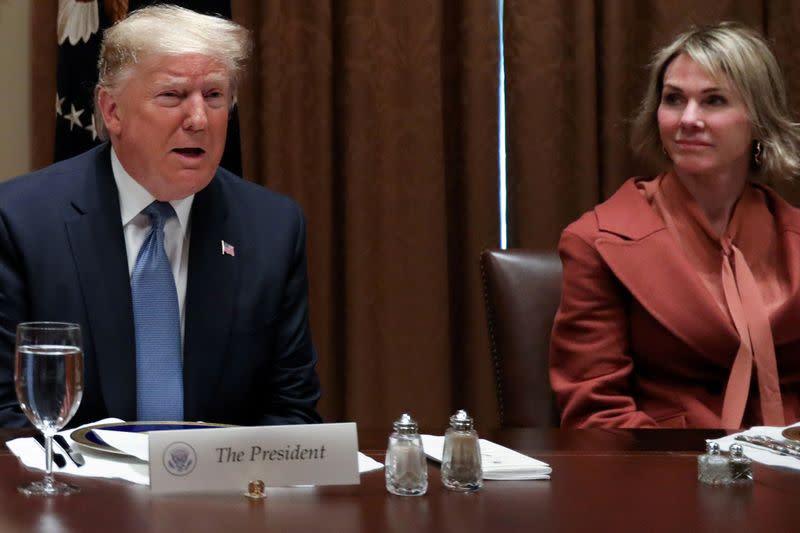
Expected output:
{"points": [[227, 249]]}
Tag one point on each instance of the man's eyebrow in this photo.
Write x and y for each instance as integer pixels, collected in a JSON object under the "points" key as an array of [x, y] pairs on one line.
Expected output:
{"points": [[170, 79]]}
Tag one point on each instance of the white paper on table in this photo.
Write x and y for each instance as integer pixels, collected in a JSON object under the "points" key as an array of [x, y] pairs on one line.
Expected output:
{"points": [[135, 444], [367, 464], [498, 462], [760, 454], [98, 464]]}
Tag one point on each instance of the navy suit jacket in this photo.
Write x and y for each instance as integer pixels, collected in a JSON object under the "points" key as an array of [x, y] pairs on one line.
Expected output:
{"points": [[248, 355]]}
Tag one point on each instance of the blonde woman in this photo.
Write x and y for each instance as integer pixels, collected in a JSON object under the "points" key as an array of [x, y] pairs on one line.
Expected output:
{"points": [[681, 295]]}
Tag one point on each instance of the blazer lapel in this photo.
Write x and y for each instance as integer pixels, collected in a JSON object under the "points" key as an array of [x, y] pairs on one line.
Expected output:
{"points": [[210, 292], [784, 320], [98, 249], [639, 250]]}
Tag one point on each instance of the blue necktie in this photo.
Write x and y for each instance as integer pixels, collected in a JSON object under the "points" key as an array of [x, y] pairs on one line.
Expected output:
{"points": [[156, 317]]}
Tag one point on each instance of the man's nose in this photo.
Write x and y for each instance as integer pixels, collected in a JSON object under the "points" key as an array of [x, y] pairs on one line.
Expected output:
{"points": [[196, 117]]}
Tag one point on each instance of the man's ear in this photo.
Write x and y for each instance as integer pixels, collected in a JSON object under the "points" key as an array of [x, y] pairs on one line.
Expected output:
{"points": [[110, 111]]}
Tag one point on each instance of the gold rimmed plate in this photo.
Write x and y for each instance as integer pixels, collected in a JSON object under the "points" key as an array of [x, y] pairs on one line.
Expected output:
{"points": [[792, 433], [88, 438]]}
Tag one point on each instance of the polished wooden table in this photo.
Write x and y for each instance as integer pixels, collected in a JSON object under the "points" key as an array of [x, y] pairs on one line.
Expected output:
{"points": [[620, 481]]}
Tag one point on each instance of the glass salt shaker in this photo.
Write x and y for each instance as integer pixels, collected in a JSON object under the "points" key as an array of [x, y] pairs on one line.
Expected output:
{"points": [[406, 468], [461, 458], [712, 466], [741, 466]]}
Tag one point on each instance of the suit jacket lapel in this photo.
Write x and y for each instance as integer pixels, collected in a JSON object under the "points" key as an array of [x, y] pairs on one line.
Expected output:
{"points": [[210, 293], [784, 320], [639, 250], [98, 249]]}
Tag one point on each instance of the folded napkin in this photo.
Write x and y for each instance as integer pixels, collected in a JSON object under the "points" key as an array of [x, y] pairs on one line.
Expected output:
{"points": [[367, 463], [98, 464], [132, 467], [498, 462], [762, 455]]}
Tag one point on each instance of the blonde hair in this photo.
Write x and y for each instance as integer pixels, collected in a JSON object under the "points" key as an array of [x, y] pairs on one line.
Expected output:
{"points": [[729, 51], [163, 30]]}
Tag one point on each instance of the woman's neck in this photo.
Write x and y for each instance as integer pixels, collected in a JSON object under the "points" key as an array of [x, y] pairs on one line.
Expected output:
{"points": [[715, 194]]}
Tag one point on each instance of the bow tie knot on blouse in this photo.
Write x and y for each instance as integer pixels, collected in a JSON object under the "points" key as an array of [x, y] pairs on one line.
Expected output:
{"points": [[726, 243]]}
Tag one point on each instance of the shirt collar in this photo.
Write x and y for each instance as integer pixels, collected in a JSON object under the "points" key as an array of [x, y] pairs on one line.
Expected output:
{"points": [[133, 198]]}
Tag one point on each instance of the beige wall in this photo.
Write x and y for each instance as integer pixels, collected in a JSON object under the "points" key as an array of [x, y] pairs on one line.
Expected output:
{"points": [[15, 154]]}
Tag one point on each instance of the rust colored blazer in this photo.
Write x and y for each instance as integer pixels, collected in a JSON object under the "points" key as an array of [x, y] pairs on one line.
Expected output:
{"points": [[638, 341]]}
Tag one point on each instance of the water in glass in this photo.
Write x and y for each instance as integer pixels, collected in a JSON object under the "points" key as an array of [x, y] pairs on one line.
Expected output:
{"points": [[48, 377]]}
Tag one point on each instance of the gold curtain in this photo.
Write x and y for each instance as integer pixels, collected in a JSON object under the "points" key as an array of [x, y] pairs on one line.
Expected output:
{"points": [[576, 71], [44, 52], [380, 118]]}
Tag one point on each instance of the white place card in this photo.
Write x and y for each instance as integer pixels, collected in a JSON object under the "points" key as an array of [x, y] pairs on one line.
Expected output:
{"points": [[227, 459]]}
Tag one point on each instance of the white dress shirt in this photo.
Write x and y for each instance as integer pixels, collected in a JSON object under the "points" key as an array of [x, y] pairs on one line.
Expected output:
{"points": [[133, 198]]}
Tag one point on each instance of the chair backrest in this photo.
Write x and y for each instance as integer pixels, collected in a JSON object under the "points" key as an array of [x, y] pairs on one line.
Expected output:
{"points": [[522, 290]]}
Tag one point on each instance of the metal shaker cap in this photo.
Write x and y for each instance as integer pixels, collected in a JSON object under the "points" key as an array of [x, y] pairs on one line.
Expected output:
{"points": [[405, 424], [461, 421], [737, 450], [712, 447]]}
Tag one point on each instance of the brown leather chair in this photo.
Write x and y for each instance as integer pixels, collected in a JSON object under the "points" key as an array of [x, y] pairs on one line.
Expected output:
{"points": [[522, 290]]}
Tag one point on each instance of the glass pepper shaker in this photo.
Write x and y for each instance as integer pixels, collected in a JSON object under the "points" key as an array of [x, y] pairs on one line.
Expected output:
{"points": [[741, 466], [461, 458], [712, 466], [406, 468]]}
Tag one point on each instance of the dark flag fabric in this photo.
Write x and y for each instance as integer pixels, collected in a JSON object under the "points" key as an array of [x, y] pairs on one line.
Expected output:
{"points": [[80, 28]]}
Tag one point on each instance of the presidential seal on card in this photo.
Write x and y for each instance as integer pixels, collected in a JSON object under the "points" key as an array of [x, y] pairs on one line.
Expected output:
{"points": [[179, 459]]}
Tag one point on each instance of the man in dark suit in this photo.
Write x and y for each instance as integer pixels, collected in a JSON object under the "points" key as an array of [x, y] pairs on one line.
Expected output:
{"points": [[75, 239]]}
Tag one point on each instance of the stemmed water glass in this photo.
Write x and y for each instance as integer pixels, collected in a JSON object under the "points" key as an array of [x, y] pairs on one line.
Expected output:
{"points": [[48, 374]]}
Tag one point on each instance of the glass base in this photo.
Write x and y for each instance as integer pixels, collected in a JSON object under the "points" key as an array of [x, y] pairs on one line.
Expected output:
{"points": [[43, 488], [419, 490], [466, 486]]}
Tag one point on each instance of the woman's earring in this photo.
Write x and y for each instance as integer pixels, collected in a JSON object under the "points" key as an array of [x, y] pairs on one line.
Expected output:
{"points": [[758, 153]]}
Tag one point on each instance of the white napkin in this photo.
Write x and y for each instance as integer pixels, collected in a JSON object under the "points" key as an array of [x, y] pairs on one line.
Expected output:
{"points": [[98, 464], [760, 454], [498, 462], [367, 463]]}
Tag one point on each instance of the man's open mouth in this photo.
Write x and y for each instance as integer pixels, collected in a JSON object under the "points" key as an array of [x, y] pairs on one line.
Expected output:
{"points": [[190, 152]]}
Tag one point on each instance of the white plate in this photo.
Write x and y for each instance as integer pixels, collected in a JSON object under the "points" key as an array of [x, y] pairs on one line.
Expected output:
{"points": [[88, 438]]}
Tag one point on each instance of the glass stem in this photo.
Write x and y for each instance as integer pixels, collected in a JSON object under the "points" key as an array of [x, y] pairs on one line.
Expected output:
{"points": [[48, 462]]}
